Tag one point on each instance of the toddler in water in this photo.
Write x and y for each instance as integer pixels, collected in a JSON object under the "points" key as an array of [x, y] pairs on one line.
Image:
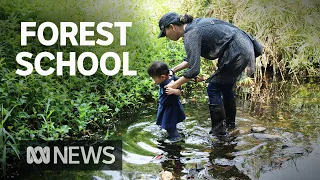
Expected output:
{"points": [[170, 111]]}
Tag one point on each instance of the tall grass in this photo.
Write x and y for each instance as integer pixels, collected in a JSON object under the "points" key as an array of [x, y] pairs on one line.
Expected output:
{"points": [[7, 141], [288, 29]]}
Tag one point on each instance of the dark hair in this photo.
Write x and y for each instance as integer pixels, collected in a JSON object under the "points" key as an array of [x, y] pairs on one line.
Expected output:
{"points": [[185, 18], [158, 68], [172, 18], [182, 19]]}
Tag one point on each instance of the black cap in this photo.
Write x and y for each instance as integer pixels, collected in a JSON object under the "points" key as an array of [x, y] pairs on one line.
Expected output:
{"points": [[166, 20]]}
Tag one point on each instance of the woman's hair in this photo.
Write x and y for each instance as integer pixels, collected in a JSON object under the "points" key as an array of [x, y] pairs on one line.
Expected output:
{"points": [[184, 19], [158, 68]]}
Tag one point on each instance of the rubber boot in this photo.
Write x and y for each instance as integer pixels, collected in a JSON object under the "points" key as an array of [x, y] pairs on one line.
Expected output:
{"points": [[174, 136], [230, 109], [217, 120]]}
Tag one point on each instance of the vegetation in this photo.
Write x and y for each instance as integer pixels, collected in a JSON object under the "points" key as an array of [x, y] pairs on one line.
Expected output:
{"points": [[53, 107], [288, 30]]}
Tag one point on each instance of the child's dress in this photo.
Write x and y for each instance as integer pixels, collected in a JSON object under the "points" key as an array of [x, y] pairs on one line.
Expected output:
{"points": [[170, 110]]}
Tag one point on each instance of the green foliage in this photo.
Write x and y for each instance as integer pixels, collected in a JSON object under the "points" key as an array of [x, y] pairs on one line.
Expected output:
{"points": [[7, 141], [51, 107], [288, 30], [48, 107]]}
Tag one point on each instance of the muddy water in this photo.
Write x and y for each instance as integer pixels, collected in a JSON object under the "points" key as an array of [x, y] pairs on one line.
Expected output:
{"points": [[287, 149], [288, 112]]}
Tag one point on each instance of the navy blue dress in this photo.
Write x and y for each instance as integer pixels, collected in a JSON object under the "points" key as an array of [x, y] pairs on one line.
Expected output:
{"points": [[170, 110]]}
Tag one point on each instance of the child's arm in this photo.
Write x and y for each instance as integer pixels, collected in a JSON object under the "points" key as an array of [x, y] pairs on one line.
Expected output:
{"points": [[171, 91]]}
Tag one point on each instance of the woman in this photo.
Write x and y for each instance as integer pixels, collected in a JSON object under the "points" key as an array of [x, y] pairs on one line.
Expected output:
{"points": [[212, 38]]}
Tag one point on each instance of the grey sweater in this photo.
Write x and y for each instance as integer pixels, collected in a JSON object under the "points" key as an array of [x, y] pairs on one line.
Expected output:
{"points": [[212, 38]]}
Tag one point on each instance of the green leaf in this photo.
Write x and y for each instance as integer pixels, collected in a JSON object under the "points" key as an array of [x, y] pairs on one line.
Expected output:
{"points": [[7, 116], [13, 146]]}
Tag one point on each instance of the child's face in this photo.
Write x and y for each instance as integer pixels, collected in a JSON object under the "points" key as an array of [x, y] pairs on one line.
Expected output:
{"points": [[158, 80]]}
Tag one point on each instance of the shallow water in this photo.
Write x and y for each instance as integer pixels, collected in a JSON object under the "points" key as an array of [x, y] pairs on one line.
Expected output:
{"points": [[288, 149], [306, 167]]}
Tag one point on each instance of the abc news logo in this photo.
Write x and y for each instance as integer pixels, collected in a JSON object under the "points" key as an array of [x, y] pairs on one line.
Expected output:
{"points": [[67, 155], [75, 155]]}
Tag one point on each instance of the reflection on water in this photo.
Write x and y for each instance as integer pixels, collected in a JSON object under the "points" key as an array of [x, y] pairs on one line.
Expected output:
{"points": [[306, 167], [172, 162], [220, 151], [288, 112]]}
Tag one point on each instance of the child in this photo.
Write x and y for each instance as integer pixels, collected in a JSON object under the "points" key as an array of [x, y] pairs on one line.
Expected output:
{"points": [[170, 110]]}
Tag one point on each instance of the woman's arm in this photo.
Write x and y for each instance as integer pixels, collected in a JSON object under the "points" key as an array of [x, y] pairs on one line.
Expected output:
{"points": [[192, 45], [170, 91], [177, 83], [180, 66]]}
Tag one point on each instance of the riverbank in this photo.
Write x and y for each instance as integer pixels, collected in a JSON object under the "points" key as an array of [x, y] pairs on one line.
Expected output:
{"points": [[291, 122]]}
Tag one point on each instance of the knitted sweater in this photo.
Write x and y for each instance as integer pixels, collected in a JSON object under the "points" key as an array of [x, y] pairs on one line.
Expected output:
{"points": [[212, 38]]}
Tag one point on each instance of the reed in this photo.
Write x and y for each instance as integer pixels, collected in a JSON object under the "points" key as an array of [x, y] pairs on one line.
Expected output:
{"points": [[288, 30]]}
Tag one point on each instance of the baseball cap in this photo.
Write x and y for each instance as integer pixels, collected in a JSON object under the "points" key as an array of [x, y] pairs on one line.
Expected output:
{"points": [[166, 20]]}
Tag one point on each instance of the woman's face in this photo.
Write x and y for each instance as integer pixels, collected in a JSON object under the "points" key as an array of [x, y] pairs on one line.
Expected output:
{"points": [[172, 33]]}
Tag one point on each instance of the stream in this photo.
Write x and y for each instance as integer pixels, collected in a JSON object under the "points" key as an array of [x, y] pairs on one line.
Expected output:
{"points": [[278, 139]]}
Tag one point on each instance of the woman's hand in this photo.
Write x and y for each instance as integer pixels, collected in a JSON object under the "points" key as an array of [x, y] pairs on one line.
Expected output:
{"points": [[171, 85], [170, 91], [199, 79]]}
